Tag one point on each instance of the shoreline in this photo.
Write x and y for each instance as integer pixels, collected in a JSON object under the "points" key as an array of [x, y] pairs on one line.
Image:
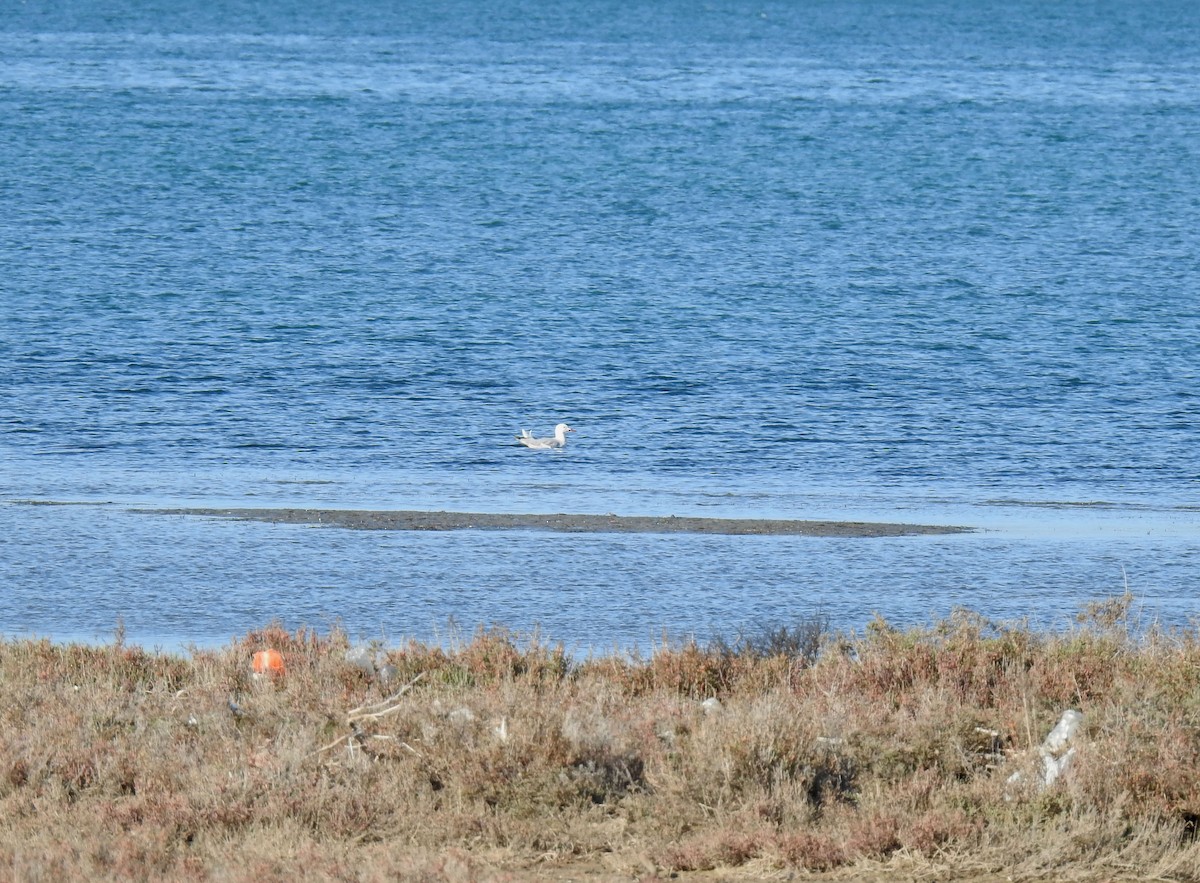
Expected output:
{"points": [[501, 757], [355, 519]]}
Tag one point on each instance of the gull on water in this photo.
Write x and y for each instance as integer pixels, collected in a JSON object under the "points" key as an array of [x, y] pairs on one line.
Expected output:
{"points": [[528, 439]]}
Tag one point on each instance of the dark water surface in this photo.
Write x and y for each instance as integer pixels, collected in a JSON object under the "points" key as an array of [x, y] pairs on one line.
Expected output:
{"points": [[934, 261]]}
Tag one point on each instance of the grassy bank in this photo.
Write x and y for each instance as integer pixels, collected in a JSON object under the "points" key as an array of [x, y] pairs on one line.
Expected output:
{"points": [[889, 752]]}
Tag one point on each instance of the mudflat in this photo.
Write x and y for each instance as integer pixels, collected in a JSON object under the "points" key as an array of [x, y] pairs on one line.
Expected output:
{"points": [[358, 519]]}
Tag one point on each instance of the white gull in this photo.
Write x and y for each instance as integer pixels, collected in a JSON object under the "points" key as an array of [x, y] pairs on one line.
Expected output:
{"points": [[545, 444]]}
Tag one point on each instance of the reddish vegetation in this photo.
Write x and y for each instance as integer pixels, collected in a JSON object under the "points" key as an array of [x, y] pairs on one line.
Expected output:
{"points": [[890, 752]]}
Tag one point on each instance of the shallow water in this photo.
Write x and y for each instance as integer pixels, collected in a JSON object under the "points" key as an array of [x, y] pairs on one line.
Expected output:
{"points": [[175, 580], [931, 261]]}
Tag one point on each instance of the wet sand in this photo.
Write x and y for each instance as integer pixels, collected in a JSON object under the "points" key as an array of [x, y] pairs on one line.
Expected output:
{"points": [[356, 519]]}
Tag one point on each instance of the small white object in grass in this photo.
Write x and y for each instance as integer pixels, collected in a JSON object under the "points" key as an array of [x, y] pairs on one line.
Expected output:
{"points": [[361, 658]]}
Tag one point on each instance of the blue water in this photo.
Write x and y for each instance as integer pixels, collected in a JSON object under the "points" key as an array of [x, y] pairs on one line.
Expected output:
{"points": [[932, 261]]}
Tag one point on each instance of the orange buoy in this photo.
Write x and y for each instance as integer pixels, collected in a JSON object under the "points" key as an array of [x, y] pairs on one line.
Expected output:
{"points": [[268, 662]]}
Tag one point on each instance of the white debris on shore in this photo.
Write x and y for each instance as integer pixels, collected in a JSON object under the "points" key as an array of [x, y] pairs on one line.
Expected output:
{"points": [[1057, 750]]}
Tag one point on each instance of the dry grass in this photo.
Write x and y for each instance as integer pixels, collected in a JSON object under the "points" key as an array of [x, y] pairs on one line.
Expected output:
{"points": [[887, 754]]}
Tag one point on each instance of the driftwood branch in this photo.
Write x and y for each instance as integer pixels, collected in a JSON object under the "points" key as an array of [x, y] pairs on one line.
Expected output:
{"points": [[371, 711], [386, 706]]}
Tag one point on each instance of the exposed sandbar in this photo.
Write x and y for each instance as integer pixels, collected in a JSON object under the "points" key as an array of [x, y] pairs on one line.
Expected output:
{"points": [[357, 519]]}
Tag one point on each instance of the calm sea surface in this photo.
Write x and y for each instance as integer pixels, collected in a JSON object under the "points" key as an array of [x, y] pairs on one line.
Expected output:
{"points": [[925, 260]]}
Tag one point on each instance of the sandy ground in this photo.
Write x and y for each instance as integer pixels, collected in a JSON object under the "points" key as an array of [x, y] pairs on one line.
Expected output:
{"points": [[411, 520]]}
